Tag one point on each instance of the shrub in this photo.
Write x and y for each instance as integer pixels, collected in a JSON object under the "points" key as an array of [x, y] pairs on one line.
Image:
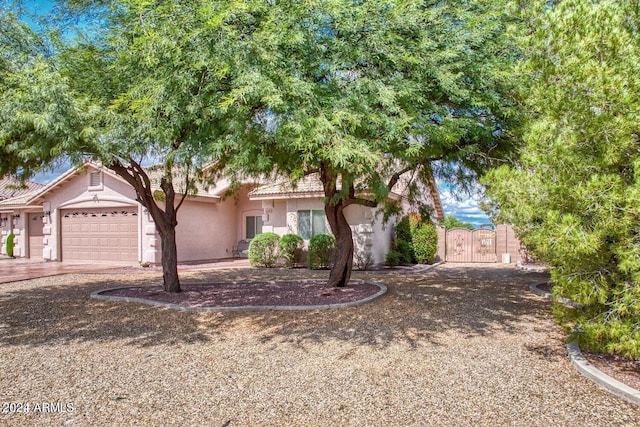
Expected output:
{"points": [[321, 249], [263, 250], [403, 229], [290, 249], [9, 244], [393, 258], [425, 242], [417, 241], [406, 252]]}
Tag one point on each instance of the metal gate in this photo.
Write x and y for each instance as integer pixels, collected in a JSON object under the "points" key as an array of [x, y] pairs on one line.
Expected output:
{"points": [[464, 245]]}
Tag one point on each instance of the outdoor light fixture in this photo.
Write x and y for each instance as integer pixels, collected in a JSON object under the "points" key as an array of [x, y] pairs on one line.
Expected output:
{"points": [[47, 214], [16, 216]]}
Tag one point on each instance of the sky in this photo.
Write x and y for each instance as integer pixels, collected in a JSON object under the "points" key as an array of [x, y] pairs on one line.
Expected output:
{"points": [[464, 207]]}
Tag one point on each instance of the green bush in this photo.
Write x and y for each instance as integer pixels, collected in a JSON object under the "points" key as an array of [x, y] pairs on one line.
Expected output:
{"points": [[425, 242], [416, 241], [9, 246], [403, 229], [321, 250], [406, 252], [393, 258], [263, 250], [290, 249]]}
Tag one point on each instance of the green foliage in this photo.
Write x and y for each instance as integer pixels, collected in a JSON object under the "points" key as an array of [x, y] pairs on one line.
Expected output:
{"points": [[451, 222], [371, 96], [290, 248], [9, 244], [40, 116], [416, 241], [425, 242], [321, 251], [403, 229], [405, 250], [393, 258], [263, 250], [574, 195]]}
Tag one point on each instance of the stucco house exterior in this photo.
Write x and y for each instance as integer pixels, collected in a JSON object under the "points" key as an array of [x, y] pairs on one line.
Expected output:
{"points": [[299, 210], [90, 214]]}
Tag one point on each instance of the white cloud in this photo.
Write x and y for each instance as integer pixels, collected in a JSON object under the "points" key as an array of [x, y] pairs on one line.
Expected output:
{"points": [[465, 207]]}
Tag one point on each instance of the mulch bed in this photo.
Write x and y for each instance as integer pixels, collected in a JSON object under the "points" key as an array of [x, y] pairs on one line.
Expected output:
{"points": [[625, 370], [294, 293]]}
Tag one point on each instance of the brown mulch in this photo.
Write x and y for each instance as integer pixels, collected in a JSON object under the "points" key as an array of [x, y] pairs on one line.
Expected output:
{"points": [[291, 293], [627, 371]]}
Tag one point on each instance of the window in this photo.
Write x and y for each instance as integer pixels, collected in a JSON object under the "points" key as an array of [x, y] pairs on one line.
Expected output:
{"points": [[311, 223], [254, 226]]}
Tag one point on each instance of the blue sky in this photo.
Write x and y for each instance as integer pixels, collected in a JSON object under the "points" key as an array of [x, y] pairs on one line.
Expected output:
{"points": [[464, 207]]}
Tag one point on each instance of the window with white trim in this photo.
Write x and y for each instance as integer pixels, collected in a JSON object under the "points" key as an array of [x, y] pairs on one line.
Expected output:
{"points": [[310, 223]]}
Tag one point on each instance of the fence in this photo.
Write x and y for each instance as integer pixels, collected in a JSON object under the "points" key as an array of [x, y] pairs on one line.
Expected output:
{"points": [[481, 245]]}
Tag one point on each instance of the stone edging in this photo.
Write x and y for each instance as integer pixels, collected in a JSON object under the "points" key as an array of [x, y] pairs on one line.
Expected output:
{"points": [[613, 386], [564, 301], [428, 267], [382, 290], [584, 367], [534, 268]]}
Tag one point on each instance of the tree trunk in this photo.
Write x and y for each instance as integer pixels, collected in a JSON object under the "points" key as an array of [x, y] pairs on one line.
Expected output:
{"points": [[169, 257], [343, 258]]}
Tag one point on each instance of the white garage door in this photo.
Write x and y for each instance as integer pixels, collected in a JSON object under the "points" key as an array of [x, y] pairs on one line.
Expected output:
{"points": [[100, 235]]}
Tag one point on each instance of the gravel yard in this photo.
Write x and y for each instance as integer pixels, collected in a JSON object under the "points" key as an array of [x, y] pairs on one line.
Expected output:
{"points": [[457, 345]]}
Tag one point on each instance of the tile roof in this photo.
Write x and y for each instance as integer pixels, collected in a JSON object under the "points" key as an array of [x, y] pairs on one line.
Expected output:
{"points": [[11, 187], [156, 172], [308, 185]]}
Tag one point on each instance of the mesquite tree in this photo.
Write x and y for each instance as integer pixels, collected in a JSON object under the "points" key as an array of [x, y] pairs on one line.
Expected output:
{"points": [[141, 87], [371, 95]]}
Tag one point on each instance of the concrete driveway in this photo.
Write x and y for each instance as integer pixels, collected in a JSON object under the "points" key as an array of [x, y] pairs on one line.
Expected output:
{"points": [[13, 270]]}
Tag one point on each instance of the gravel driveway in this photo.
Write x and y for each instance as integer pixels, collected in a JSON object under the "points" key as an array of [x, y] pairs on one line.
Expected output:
{"points": [[457, 345]]}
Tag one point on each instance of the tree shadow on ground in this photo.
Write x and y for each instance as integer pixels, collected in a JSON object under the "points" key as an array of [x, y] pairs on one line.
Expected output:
{"points": [[418, 308]]}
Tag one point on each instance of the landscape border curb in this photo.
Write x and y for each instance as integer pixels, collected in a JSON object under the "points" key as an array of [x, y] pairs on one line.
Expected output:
{"points": [[584, 367], [534, 268], [429, 267], [613, 386], [564, 301], [381, 291]]}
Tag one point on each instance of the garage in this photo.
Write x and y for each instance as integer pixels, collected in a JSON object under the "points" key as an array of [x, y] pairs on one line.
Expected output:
{"points": [[104, 235]]}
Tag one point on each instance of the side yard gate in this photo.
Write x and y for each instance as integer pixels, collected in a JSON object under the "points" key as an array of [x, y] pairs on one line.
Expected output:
{"points": [[486, 244]]}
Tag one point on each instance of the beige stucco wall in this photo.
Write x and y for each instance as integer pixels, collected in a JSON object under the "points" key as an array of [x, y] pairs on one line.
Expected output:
{"points": [[369, 236], [210, 230], [19, 229]]}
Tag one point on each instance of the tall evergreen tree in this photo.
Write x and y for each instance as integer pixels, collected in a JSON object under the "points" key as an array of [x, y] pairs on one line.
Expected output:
{"points": [[575, 194]]}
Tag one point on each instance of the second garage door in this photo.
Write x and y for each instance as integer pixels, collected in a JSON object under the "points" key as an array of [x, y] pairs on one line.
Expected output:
{"points": [[100, 235]]}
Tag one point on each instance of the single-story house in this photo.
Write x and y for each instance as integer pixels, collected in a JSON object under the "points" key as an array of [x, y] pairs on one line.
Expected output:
{"points": [[90, 214]]}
